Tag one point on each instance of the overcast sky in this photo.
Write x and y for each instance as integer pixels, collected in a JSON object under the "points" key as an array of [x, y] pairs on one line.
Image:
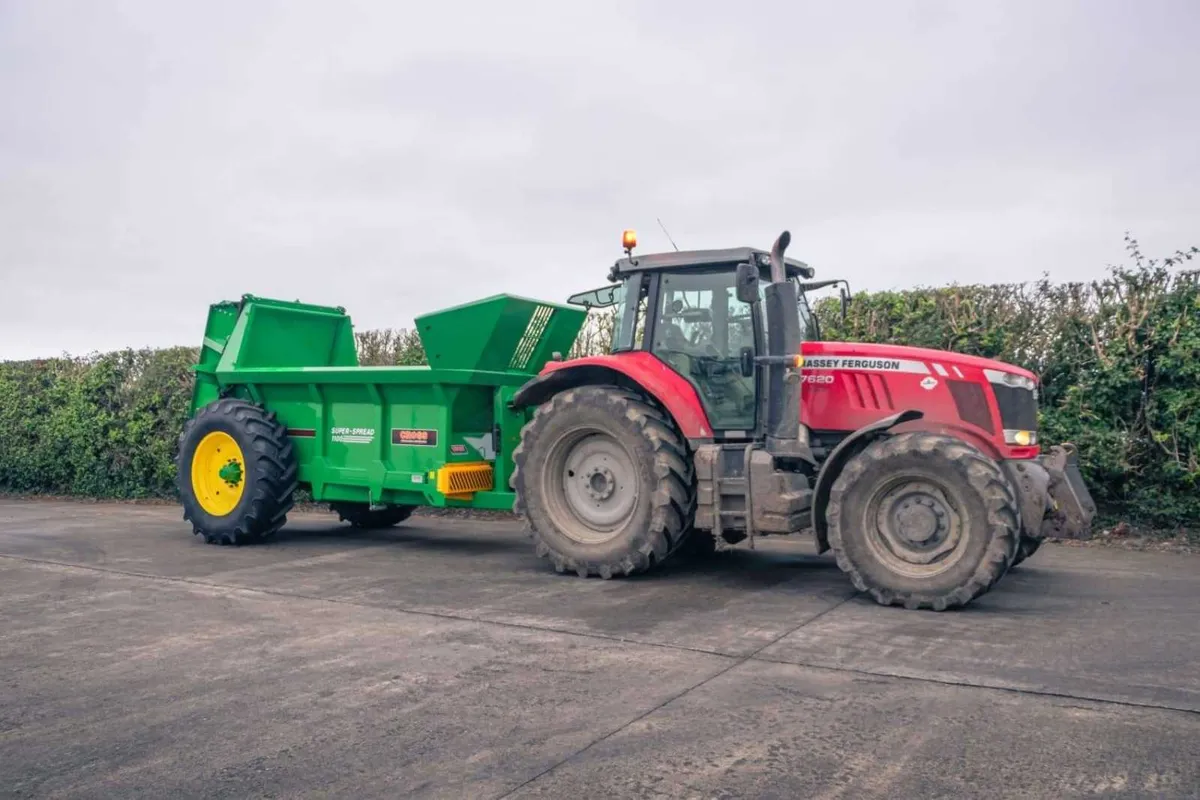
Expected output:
{"points": [[397, 157]]}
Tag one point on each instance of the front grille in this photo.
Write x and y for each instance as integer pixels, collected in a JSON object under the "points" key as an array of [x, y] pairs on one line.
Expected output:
{"points": [[971, 403], [1018, 407]]}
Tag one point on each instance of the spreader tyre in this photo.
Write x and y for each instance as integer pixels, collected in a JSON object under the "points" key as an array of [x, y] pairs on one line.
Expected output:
{"points": [[924, 521], [361, 515], [236, 472], [604, 482]]}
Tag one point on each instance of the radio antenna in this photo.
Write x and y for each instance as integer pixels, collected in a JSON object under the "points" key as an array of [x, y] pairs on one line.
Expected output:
{"points": [[669, 239]]}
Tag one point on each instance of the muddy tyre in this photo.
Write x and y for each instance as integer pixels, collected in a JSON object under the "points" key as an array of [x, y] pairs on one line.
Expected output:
{"points": [[1028, 546], [236, 472], [604, 482], [361, 515], [924, 521]]}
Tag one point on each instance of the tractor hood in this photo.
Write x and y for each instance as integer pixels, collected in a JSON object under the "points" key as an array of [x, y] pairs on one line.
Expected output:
{"points": [[901, 358]]}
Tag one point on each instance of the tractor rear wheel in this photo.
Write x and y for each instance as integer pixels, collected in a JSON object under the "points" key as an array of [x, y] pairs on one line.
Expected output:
{"points": [[236, 472], [604, 482], [924, 521], [361, 515]]}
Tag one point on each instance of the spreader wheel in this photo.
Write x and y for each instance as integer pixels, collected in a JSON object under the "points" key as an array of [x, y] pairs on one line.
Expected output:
{"points": [[604, 481], [235, 472], [923, 520], [361, 515]]}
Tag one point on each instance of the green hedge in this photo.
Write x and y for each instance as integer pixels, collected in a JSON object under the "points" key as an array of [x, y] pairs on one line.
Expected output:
{"points": [[1120, 361], [100, 426]]}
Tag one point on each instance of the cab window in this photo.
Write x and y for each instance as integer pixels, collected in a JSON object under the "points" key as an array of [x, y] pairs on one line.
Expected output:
{"points": [[700, 330]]}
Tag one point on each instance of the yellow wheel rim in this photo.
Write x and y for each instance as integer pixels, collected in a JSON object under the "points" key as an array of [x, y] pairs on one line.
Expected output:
{"points": [[218, 473]]}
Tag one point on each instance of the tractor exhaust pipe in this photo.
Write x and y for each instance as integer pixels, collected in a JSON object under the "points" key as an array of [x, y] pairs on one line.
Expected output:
{"points": [[780, 405], [778, 270], [780, 302]]}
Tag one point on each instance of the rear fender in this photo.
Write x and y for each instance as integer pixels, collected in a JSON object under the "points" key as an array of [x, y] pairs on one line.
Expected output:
{"points": [[639, 371], [847, 449]]}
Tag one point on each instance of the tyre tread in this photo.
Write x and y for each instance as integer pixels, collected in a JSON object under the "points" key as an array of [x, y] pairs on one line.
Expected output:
{"points": [[982, 473]]}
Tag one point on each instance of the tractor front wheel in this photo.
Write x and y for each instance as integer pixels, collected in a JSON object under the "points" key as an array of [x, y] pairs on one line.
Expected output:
{"points": [[1029, 545], [604, 482], [361, 515], [924, 521], [235, 472]]}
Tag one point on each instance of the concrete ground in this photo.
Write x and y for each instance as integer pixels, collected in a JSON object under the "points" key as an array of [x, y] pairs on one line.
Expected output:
{"points": [[441, 659]]}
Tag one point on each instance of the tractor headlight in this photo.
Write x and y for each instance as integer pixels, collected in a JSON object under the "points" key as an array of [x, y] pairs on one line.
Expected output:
{"points": [[1010, 379], [1020, 438]]}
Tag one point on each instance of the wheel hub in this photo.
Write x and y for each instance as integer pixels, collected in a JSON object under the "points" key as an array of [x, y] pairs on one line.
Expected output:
{"points": [[601, 483], [915, 525], [918, 521], [231, 473], [597, 484], [218, 473]]}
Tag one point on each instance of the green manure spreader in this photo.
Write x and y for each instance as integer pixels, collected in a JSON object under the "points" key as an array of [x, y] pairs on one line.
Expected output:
{"points": [[719, 416], [280, 401]]}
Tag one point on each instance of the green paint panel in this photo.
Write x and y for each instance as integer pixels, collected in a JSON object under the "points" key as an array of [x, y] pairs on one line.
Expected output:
{"points": [[272, 333], [381, 434], [503, 333]]}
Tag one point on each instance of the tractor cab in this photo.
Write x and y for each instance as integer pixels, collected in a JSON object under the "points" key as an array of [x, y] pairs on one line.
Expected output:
{"points": [[688, 310]]}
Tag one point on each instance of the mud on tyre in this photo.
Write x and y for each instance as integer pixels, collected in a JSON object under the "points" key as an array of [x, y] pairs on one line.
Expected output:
{"points": [[604, 482], [924, 521], [236, 472]]}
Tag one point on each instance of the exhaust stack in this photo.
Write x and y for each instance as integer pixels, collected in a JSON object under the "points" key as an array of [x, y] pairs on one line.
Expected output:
{"points": [[783, 347]]}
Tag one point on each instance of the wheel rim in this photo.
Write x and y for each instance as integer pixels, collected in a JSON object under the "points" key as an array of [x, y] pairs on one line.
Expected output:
{"points": [[218, 473], [914, 528], [593, 487]]}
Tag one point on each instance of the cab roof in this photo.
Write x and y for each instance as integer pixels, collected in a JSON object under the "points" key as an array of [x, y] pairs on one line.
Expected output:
{"points": [[699, 259]]}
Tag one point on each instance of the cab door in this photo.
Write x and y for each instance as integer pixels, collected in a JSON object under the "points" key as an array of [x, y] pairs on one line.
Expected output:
{"points": [[703, 332]]}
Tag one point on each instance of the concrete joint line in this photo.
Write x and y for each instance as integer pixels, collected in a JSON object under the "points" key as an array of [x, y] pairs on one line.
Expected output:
{"points": [[752, 656]]}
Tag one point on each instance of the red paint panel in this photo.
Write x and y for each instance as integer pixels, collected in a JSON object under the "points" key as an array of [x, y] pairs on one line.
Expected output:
{"points": [[849, 385], [663, 383]]}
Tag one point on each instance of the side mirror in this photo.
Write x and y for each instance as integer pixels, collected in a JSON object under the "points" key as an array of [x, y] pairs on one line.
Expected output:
{"points": [[747, 283], [746, 357], [845, 304]]}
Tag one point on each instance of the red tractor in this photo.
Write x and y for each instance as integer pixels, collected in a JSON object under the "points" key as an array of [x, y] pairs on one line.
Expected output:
{"points": [[719, 417]]}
